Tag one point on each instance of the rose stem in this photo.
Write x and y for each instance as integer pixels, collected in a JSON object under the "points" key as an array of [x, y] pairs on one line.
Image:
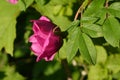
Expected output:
{"points": [[81, 8]]}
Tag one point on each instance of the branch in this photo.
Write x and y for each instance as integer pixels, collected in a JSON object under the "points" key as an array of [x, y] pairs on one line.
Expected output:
{"points": [[81, 8], [106, 6]]}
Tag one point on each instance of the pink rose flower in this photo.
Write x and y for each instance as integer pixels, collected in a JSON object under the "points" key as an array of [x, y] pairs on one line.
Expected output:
{"points": [[45, 43], [13, 1]]}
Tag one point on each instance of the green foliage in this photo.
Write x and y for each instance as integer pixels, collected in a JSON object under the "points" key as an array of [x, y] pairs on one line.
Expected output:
{"points": [[11, 74], [114, 9], [117, 76], [62, 52], [7, 26], [94, 38], [98, 72], [58, 11], [73, 44], [111, 29], [113, 63], [92, 30], [24, 4], [87, 48], [101, 54], [8, 72], [72, 40], [94, 7]]}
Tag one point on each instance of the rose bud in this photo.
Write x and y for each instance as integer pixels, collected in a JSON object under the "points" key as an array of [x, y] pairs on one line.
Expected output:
{"points": [[45, 43]]}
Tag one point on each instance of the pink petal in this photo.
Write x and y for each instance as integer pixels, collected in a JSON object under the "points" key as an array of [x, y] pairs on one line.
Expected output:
{"points": [[44, 42], [38, 58], [32, 39], [42, 27], [13, 1], [36, 48], [44, 18], [41, 41], [35, 27], [49, 58]]}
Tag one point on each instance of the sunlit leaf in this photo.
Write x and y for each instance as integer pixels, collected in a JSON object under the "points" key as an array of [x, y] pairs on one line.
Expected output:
{"points": [[101, 54], [73, 43], [95, 10], [111, 31], [24, 4], [113, 63], [97, 72], [94, 7], [114, 9], [115, 5], [69, 29], [114, 12], [93, 30], [7, 25], [77, 39], [88, 20], [87, 48], [101, 14]]}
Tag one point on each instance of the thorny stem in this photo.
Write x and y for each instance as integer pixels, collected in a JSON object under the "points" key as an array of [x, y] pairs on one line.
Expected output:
{"points": [[67, 70], [81, 8]]}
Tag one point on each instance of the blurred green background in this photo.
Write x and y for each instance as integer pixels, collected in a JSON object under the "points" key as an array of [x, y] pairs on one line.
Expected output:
{"points": [[17, 62]]}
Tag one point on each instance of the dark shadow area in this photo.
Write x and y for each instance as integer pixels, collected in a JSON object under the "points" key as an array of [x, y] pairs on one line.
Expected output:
{"points": [[2, 75], [22, 55]]}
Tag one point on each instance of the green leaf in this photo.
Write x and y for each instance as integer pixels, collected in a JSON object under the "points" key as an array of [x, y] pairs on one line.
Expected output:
{"points": [[95, 10], [115, 5], [97, 72], [3, 60], [116, 76], [111, 31], [92, 30], [114, 9], [101, 54], [12, 75], [24, 4], [73, 43], [87, 48], [90, 20], [62, 52], [114, 12], [101, 14], [94, 7], [77, 39], [7, 25], [113, 63], [72, 26]]}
